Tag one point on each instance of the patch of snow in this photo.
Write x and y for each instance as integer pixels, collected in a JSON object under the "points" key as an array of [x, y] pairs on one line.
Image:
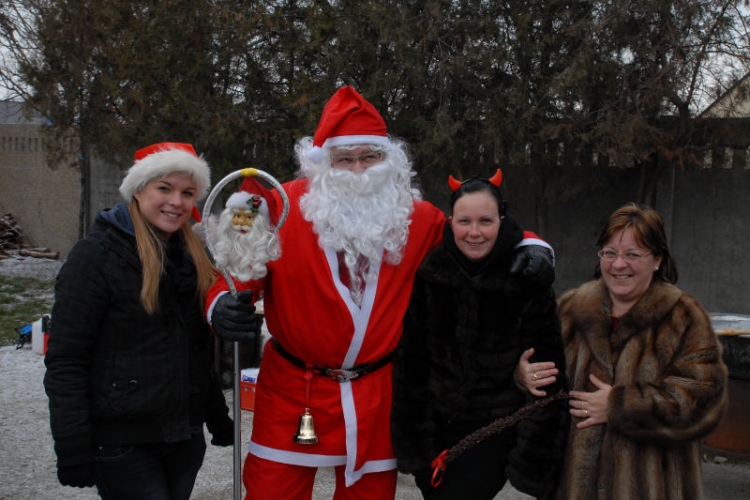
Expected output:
{"points": [[30, 267]]}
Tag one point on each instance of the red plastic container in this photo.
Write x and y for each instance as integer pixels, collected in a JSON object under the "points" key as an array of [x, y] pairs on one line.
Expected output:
{"points": [[247, 395]]}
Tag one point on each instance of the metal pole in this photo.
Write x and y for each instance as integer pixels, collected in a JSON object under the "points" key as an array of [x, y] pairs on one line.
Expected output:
{"points": [[237, 476], [237, 410]]}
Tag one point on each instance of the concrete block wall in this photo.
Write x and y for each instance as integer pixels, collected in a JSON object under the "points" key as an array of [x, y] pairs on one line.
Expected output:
{"points": [[43, 200]]}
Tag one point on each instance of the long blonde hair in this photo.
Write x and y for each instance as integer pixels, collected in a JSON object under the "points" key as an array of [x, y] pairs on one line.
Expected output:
{"points": [[151, 253]]}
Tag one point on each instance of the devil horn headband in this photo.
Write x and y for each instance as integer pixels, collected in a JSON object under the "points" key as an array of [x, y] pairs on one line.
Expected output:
{"points": [[495, 180]]}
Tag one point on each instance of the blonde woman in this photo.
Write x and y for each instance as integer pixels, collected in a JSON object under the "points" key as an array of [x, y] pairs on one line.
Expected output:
{"points": [[129, 374]]}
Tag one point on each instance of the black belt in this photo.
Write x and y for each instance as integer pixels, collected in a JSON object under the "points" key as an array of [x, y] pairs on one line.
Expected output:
{"points": [[340, 375]]}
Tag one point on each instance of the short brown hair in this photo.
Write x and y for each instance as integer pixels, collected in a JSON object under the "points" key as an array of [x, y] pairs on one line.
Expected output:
{"points": [[648, 231]]}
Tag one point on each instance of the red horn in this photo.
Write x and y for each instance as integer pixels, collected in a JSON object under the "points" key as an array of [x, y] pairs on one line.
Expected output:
{"points": [[453, 183], [497, 179]]}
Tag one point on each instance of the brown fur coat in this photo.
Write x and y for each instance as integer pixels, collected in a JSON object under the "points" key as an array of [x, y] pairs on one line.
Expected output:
{"points": [[669, 391]]}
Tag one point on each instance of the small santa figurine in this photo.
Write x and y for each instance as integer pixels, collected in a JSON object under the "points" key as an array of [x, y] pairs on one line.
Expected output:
{"points": [[246, 233]]}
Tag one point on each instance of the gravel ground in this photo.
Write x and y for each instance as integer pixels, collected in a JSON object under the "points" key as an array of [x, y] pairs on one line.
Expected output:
{"points": [[27, 459]]}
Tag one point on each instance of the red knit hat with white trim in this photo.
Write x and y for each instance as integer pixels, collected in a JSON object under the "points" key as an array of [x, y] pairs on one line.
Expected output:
{"points": [[162, 159], [348, 119], [253, 195]]}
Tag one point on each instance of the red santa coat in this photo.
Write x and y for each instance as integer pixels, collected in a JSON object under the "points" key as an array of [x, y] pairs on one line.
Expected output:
{"points": [[310, 312]]}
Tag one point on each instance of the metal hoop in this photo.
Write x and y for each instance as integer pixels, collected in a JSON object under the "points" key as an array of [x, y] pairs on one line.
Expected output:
{"points": [[245, 172]]}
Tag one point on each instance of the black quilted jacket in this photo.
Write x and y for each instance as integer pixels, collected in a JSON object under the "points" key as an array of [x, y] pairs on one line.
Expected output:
{"points": [[115, 374]]}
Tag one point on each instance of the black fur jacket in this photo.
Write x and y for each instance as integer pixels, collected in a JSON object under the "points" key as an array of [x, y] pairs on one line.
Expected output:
{"points": [[464, 332]]}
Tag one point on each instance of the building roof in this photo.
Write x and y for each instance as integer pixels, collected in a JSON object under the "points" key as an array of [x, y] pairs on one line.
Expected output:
{"points": [[12, 113], [734, 103]]}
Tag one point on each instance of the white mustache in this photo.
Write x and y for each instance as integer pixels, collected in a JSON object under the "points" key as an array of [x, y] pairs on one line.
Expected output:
{"points": [[359, 183]]}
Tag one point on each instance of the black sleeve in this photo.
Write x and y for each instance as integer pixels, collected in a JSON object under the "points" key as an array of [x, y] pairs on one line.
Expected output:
{"points": [[217, 410], [80, 301], [412, 424], [535, 462]]}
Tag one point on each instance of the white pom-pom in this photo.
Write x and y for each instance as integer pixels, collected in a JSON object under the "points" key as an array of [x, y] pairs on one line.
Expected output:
{"points": [[315, 154]]}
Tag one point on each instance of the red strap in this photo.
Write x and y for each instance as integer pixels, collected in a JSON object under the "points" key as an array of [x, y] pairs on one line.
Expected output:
{"points": [[439, 467], [308, 380]]}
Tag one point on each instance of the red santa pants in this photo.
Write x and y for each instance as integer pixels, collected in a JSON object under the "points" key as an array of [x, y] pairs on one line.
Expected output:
{"points": [[267, 480]]}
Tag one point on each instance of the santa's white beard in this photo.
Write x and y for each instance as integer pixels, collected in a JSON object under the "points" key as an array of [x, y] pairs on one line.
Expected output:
{"points": [[361, 215], [245, 255]]}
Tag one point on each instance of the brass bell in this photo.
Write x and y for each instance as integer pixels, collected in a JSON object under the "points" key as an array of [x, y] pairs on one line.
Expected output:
{"points": [[306, 429]]}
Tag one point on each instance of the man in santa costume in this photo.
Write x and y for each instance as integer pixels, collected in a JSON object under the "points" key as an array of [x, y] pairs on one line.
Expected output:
{"points": [[334, 301]]}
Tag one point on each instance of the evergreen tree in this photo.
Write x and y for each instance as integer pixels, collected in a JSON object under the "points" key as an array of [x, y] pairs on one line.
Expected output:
{"points": [[556, 89]]}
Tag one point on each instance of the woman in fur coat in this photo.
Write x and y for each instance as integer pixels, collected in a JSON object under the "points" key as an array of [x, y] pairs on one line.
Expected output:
{"points": [[467, 325], [645, 370]]}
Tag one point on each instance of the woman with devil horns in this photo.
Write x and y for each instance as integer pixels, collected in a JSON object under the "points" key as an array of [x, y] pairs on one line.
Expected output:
{"points": [[468, 323]]}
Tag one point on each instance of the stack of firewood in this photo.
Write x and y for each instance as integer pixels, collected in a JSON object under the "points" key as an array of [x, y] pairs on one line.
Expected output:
{"points": [[12, 238]]}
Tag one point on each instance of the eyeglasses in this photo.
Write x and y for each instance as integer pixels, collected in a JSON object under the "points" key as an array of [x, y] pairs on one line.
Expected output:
{"points": [[629, 257], [370, 158]]}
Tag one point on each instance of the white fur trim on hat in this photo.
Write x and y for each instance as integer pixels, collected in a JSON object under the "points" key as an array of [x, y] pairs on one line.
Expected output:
{"points": [[240, 198], [162, 163], [354, 140]]}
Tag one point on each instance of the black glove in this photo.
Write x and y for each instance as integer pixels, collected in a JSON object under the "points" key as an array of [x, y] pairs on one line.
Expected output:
{"points": [[78, 476], [534, 265], [222, 431], [75, 460], [234, 318], [423, 479]]}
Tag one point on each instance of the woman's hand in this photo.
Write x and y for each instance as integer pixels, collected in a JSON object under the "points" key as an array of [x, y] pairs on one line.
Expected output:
{"points": [[591, 406], [532, 376]]}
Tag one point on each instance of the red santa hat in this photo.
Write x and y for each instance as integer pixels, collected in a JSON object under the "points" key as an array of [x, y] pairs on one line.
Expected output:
{"points": [[348, 119], [162, 159], [253, 195]]}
